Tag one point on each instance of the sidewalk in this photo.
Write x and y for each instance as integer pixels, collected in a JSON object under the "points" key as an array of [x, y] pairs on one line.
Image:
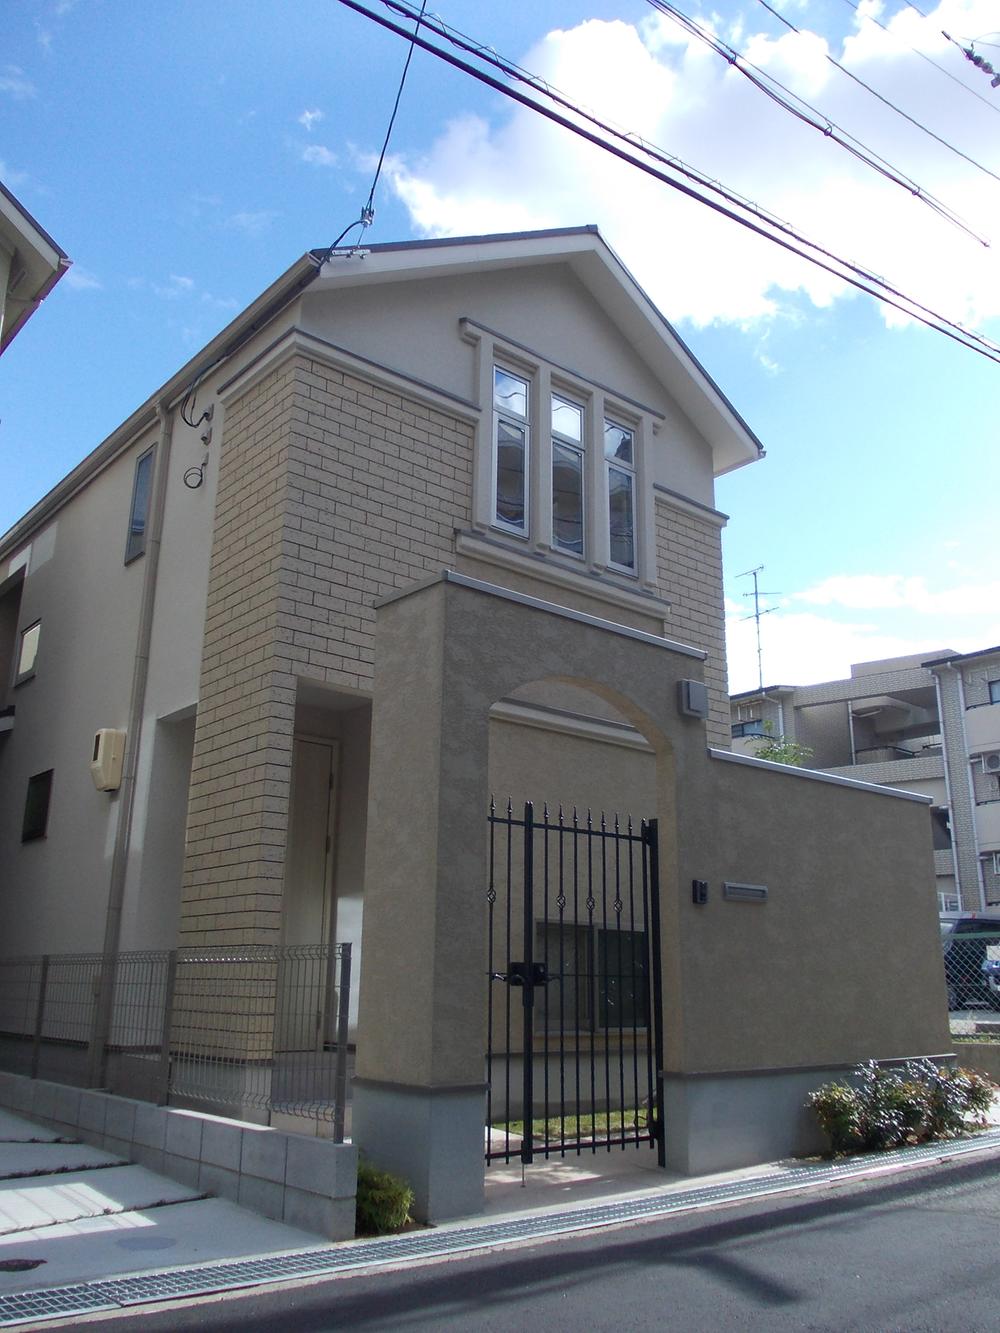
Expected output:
{"points": [[115, 1257]]}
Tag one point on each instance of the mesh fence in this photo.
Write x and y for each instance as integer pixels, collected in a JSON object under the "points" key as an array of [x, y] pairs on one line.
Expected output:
{"points": [[247, 1030], [972, 972]]}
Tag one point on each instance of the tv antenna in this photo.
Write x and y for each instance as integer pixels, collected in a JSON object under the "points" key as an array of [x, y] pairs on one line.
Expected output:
{"points": [[757, 614]]}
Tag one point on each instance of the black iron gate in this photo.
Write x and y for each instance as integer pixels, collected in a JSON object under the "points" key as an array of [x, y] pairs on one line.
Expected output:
{"points": [[575, 1044]]}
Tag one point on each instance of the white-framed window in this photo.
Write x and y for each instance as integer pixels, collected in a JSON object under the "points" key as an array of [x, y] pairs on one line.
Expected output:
{"points": [[511, 450], [568, 476], [28, 652], [541, 473], [619, 454], [142, 488], [994, 690]]}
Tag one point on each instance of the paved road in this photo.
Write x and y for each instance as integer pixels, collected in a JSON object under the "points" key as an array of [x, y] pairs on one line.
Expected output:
{"points": [[919, 1253]]}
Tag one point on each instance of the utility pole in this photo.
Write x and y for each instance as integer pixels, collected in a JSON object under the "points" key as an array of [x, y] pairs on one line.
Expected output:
{"points": [[757, 613]]}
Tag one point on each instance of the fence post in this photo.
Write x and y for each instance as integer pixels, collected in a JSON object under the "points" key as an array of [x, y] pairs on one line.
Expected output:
{"points": [[528, 991], [652, 841], [36, 1049], [163, 1073], [340, 1068]]}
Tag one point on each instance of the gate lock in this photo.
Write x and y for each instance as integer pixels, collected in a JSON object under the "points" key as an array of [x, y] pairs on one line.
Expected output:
{"points": [[525, 974]]}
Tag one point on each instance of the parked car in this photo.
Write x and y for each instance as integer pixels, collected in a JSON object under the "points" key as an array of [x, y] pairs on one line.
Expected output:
{"points": [[971, 944]]}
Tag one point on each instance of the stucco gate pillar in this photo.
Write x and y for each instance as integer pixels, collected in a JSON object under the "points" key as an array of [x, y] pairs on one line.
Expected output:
{"points": [[446, 651]]}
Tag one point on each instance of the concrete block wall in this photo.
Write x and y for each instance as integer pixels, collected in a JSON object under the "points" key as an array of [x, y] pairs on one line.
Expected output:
{"points": [[307, 1182], [689, 572]]}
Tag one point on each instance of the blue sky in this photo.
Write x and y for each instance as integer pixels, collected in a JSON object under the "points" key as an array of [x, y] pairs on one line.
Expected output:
{"points": [[185, 154]]}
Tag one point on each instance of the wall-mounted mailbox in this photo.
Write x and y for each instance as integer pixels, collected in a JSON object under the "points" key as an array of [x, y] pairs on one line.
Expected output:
{"points": [[107, 759]]}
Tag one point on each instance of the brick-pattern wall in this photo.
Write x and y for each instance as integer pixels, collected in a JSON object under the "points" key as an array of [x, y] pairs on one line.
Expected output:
{"points": [[976, 682], [689, 565], [332, 492]]}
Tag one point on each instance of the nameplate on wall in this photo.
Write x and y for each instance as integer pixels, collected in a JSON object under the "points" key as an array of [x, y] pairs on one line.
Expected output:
{"points": [[744, 893]]}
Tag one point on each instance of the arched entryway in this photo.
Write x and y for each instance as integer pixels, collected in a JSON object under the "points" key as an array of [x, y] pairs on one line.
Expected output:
{"points": [[445, 654]]}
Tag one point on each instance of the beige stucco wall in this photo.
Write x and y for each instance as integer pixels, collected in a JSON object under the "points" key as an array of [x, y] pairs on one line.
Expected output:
{"points": [[817, 975], [821, 973]]}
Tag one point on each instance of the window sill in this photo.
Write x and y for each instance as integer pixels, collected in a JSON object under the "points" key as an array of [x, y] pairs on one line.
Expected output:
{"points": [[558, 570]]}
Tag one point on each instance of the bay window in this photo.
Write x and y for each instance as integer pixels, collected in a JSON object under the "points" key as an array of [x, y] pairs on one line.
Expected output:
{"points": [[561, 467]]}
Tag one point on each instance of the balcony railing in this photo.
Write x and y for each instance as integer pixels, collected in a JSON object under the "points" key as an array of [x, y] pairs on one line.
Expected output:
{"points": [[882, 754]]}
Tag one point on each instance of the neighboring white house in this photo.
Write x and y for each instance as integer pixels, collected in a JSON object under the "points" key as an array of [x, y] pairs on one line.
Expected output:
{"points": [[30, 266], [927, 723]]}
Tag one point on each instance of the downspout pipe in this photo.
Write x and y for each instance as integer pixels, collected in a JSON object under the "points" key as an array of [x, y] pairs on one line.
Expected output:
{"points": [[103, 1009]]}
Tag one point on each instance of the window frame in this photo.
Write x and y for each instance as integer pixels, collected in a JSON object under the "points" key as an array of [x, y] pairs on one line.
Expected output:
{"points": [[21, 673], [993, 691], [557, 439], [631, 471], [35, 822], [519, 423], [135, 539], [535, 542]]}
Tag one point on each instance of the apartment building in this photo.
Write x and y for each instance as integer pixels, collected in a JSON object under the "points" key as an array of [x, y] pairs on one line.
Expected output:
{"points": [[927, 723]]}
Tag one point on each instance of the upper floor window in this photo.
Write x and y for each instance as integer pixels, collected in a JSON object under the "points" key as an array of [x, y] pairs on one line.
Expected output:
{"points": [[563, 475], [142, 486], [27, 652], [511, 441], [619, 451], [567, 475], [994, 688]]}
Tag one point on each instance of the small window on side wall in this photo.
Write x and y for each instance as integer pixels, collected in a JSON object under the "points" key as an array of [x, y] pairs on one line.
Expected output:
{"points": [[28, 652], [142, 487], [36, 806], [994, 688]]}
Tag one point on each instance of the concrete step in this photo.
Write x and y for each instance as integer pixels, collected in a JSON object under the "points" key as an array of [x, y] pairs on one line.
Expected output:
{"points": [[42, 1201]]}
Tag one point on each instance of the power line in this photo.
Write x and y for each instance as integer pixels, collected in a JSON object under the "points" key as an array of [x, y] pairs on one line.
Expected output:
{"points": [[791, 241], [368, 212], [885, 101], [924, 56], [811, 116]]}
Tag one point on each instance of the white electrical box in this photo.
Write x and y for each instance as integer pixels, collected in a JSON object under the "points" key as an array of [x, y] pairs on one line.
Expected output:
{"points": [[107, 759]]}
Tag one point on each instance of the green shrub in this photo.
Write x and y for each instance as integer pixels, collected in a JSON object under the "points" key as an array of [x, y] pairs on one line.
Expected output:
{"points": [[885, 1109], [383, 1203]]}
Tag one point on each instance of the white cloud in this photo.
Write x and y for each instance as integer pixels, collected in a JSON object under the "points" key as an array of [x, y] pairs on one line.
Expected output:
{"points": [[521, 171], [319, 156], [311, 118], [817, 633], [10, 176], [877, 592], [254, 224], [15, 83], [175, 287], [80, 280]]}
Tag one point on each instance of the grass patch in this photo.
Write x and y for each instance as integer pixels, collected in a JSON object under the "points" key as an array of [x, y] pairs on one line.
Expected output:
{"points": [[580, 1126]]}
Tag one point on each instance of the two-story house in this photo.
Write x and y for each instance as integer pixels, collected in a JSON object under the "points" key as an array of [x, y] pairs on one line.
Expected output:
{"points": [[427, 521]]}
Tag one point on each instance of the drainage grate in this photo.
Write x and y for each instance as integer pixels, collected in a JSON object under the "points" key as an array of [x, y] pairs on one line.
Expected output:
{"points": [[120, 1293]]}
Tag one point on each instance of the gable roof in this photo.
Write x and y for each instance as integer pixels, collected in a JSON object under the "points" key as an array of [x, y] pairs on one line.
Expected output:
{"points": [[596, 265], [610, 283]]}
